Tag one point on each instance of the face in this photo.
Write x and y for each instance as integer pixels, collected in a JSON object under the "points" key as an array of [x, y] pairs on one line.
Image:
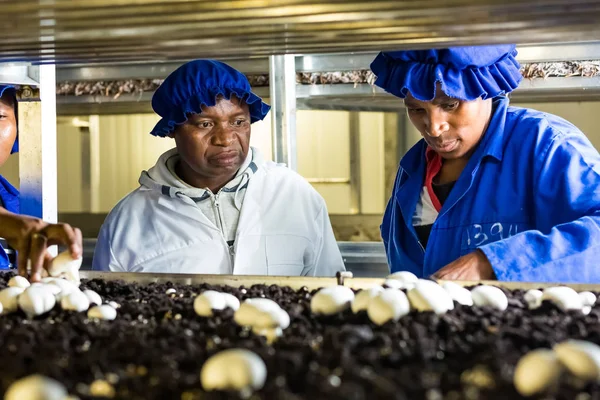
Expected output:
{"points": [[451, 127], [8, 126], [215, 143]]}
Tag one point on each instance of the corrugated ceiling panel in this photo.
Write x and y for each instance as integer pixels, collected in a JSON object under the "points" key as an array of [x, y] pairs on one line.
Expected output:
{"points": [[73, 31]]}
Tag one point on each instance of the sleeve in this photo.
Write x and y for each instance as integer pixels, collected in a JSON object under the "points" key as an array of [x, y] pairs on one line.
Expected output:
{"points": [[387, 222], [104, 258], [328, 259], [565, 247]]}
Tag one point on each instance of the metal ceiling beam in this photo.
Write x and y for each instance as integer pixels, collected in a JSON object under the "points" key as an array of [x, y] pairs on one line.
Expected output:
{"points": [[100, 31], [362, 97], [528, 53], [143, 71], [19, 74], [309, 63]]}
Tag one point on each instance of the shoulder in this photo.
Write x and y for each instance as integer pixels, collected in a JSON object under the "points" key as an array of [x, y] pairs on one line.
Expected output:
{"points": [[287, 184], [544, 126], [129, 207], [555, 140], [281, 173]]}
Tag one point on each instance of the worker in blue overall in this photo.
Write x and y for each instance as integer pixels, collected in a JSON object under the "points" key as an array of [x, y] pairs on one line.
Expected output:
{"points": [[491, 191], [24, 240]]}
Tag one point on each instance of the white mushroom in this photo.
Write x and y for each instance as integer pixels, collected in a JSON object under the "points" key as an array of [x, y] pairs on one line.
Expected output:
{"points": [[36, 387], [533, 297], [458, 293], [56, 291], [563, 297], [65, 287], [75, 301], [536, 372], [406, 279], [93, 297], [19, 281], [263, 313], [429, 296], [581, 358], [234, 369], [104, 312], [264, 316], [114, 304], [208, 301], [587, 298], [231, 301], [363, 298], [9, 299], [65, 266], [389, 305], [102, 388], [271, 334], [490, 296], [331, 300], [36, 300], [396, 284]]}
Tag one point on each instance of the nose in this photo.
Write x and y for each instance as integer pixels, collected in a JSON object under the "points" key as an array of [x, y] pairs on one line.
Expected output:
{"points": [[435, 123], [223, 135]]}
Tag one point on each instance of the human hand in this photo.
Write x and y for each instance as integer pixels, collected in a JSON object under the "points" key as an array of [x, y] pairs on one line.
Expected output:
{"points": [[471, 267], [31, 237]]}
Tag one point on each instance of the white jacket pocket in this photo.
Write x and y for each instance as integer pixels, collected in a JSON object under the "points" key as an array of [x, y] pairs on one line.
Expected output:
{"points": [[287, 254]]}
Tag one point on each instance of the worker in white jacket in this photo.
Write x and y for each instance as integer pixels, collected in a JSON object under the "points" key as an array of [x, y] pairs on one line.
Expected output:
{"points": [[212, 205]]}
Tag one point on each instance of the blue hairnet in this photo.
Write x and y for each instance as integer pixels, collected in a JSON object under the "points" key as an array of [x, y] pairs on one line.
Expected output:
{"points": [[198, 83], [465, 73], [13, 92]]}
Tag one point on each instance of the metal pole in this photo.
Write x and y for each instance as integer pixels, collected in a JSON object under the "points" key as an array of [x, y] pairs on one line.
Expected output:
{"points": [[394, 145], [37, 150], [282, 74], [94, 164], [355, 175]]}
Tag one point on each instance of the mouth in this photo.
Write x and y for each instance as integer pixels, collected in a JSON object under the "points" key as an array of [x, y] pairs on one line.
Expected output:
{"points": [[445, 147], [224, 159]]}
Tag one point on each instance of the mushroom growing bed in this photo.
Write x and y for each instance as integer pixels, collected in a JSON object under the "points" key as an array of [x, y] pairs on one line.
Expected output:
{"points": [[157, 345]]}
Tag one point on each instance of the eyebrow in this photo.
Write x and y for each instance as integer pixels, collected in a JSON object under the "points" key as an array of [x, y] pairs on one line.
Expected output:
{"points": [[203, 114], [444, 99]]}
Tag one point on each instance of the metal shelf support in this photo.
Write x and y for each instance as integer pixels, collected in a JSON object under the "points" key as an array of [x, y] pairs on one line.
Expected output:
{"points": [[37, 150], [283, 112]]}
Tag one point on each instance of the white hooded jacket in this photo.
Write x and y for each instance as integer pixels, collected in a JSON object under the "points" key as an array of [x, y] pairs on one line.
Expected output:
{"points": [[283, 226]]}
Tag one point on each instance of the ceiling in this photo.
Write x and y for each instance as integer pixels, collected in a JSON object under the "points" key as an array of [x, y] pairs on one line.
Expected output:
{"points": [[110, 31]]}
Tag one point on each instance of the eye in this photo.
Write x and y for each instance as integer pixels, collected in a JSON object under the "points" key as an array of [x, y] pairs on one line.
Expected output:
{"points": [[204, 124], [239, 122], [450, 106], [415, 110]]}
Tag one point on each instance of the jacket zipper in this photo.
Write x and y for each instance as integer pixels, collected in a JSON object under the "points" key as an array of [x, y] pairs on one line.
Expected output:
{"points": [[457, 200], [414, 233], [223, 233]]}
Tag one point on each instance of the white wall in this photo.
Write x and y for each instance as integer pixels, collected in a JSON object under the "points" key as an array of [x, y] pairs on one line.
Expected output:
{"points": [[323, 143], [69, 160], [372, 165]]}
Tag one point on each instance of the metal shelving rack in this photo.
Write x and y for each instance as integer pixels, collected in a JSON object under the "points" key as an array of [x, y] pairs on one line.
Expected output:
{"points": [[286, 95], [115, 39]]}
